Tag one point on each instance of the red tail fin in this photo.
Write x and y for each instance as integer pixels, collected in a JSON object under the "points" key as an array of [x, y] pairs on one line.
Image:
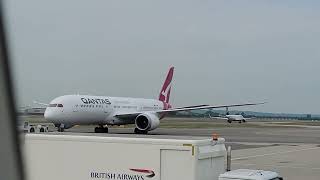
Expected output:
{"points": [[166, 88]]}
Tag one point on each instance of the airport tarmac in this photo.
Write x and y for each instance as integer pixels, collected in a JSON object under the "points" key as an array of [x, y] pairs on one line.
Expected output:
{"points": [[291, 149], [266, 134], [292, 161]]}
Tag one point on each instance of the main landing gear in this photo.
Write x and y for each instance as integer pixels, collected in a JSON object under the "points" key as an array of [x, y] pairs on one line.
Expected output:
{"points": [[138, 131], [60, 127], [101, 129], [242, 121]]}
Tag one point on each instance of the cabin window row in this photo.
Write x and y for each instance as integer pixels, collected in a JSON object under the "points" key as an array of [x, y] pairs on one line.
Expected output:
{"points": [[126, 107], [90, 106]]}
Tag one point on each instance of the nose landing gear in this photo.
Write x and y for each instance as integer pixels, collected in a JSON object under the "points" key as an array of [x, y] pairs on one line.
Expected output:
{"points": [[60, 128]]}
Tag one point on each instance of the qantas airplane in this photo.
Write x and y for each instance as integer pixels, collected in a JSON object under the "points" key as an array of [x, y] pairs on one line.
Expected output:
{"points": [[69, 110], [230, 117]]}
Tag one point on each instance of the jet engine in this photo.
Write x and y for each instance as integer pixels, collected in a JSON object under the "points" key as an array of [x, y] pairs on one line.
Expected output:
{"points": [[147, 121]]}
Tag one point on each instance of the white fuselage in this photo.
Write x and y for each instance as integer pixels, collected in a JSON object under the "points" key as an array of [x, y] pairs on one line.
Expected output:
{"points": [[235, 117], [85, 109]]}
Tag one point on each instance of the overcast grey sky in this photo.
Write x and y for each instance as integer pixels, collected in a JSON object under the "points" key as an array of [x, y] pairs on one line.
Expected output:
{"points": [[223, 51]]}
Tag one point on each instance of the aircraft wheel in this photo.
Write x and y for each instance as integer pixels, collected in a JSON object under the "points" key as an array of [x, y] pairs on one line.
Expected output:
{"points": [[240, 122], [244, 121], [32, 130], [229, 121], [41, 129], [100, 130], [138, 131], [60, 129]]}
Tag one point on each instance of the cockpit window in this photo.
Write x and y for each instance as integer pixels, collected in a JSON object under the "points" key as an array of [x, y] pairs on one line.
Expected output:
{"points": [[55, 105]]}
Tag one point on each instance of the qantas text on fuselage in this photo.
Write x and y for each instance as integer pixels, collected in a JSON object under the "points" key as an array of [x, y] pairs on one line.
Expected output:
{"points": [[95, 101]]}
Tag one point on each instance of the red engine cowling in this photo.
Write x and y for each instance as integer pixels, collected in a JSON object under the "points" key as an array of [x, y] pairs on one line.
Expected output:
{"points": [[147, 121]]}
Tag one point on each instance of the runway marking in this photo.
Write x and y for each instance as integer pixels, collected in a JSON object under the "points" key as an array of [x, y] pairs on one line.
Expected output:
{"points": [[280, 166], [276, 153]]}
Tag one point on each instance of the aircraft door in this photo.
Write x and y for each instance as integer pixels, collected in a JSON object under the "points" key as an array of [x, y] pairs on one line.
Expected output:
{"points": [[76, 108], [107, 109]]}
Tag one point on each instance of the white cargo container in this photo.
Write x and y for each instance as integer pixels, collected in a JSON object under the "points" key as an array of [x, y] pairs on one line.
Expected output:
{"points": [[93, 157]]}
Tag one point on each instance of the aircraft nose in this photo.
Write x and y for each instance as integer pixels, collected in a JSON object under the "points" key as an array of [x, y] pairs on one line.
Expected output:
{"points": [[48, 114]]}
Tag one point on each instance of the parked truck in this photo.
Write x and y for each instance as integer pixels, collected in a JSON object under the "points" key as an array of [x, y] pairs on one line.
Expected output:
{"points": [[26, 127]]}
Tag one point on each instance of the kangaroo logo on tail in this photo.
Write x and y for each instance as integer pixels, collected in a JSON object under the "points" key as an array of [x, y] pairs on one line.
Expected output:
{"points": [[166, 88]]}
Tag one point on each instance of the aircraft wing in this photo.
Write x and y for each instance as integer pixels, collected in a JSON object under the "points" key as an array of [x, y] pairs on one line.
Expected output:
{"points": [[128, 115], [207, 107], [202, 105], [187, 108]]}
